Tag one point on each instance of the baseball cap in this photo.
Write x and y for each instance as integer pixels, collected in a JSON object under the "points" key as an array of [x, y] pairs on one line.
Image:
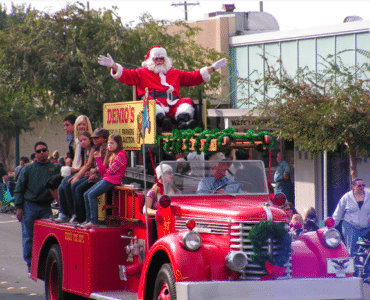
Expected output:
{"points": [[100, 132]]}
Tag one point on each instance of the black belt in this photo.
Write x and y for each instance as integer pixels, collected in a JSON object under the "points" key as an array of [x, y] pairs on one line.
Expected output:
{"points": [[163, 95]]}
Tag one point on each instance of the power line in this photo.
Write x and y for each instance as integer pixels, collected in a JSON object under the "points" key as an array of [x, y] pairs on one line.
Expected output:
{"points": [[185, 4]]}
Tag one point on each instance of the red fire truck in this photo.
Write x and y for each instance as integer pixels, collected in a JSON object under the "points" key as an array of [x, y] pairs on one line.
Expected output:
{"points": [[199, 246]]}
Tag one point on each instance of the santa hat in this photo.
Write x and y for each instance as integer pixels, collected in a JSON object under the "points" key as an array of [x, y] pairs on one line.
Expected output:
{"points": [[156, 51]]}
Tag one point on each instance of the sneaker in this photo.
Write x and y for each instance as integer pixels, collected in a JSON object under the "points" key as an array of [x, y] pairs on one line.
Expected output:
{"points": [[73, 220], [90, 225], [62, 218], [53, 217]]}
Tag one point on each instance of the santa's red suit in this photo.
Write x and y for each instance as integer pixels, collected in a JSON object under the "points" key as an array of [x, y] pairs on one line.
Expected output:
{"points": [[164, 84]]}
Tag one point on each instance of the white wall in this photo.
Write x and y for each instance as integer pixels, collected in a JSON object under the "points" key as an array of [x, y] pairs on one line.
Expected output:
{"points": [[49, 131], [363, 170], [308, 182]]}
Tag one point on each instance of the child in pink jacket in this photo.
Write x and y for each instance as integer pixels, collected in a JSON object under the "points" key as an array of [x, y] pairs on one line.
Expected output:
{"points": [[112, 169]]}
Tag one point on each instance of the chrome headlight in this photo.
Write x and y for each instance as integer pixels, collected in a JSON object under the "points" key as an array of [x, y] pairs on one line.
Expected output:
{"points": [[332, 238], [236, 260], [192, 241]]}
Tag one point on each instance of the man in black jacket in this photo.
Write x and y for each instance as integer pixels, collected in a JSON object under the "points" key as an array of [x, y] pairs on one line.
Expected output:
{"points": [[31, 198]]}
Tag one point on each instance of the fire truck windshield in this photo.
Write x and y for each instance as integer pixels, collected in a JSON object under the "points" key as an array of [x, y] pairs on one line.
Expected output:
{"points": [[216, 177]]}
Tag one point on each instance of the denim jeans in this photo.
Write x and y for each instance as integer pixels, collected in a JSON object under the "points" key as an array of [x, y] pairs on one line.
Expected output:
{"points": [[351, 235], [66, 205], [31, 211], [78, 190], [286, 187], [91, 199]]}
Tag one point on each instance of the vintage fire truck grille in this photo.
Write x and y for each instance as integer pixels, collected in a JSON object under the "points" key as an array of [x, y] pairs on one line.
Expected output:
{"points": [[205, 226], [239, 241], [238, 232]]}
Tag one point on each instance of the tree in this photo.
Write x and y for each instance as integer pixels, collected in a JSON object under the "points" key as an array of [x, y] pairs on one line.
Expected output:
{"points": [[76, 81], [21, 98], [319, 110], [48, 62]]}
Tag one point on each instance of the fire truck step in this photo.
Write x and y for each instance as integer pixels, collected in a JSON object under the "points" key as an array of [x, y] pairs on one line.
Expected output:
{"points": [[114, 295]]}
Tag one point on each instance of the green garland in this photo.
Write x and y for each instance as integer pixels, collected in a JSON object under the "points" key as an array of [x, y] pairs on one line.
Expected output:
{"points": [[259, 235], [175, 140]]}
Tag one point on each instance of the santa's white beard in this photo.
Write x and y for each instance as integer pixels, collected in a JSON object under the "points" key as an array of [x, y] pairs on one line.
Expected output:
{"points": [[160, 68]]}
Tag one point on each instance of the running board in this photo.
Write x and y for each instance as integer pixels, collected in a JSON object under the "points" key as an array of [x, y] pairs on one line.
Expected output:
{"points": [[114, 295]]}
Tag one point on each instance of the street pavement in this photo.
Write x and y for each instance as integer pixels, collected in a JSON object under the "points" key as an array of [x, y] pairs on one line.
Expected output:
{"points": [[14, 281]]}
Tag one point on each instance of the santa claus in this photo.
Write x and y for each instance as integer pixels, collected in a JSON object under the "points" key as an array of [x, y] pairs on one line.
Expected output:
{"points": [[164, 84]]}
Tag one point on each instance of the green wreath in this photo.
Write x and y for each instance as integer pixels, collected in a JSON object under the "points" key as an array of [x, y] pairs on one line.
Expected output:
{"points": [[259, 235], [175, 139]]}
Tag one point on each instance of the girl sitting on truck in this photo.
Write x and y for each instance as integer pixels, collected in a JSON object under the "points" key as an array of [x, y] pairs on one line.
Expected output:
{"points": [[165, 175], [66, 199], [112, 169]]}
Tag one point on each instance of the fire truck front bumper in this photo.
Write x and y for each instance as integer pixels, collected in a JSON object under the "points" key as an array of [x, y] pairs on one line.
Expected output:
{"points": [[291, 289]]}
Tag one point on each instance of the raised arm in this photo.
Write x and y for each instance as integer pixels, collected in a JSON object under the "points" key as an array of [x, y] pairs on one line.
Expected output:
{"points": [[218, 65], [108, 61]]}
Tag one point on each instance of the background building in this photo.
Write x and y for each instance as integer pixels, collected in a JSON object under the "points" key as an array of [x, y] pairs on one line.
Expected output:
{"points": [[251, 35]]}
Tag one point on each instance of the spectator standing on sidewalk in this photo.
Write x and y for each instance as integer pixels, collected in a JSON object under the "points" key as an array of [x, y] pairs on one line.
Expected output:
{"points": [[31, 198], [354, 209], [3, 181], [22, 162], [282, 178]]}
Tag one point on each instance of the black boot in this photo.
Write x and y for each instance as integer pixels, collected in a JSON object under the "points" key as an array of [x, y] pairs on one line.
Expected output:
{"points": [[160, 118], [184, 121], [164, 122]]}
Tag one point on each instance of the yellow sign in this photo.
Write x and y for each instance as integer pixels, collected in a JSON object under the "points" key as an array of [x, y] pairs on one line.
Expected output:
{"points": [[126, 119]]}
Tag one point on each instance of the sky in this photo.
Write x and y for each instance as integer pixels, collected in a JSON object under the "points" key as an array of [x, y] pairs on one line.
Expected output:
{"points": [[293, 14]]}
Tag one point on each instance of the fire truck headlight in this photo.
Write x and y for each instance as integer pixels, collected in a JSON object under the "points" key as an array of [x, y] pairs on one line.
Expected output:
{"points": [[192, 241], [332, 238], [236, 260]]}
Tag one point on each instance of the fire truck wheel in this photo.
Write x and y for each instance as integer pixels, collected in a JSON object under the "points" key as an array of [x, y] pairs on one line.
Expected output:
{"points": [[54, 275], [164, 287]]}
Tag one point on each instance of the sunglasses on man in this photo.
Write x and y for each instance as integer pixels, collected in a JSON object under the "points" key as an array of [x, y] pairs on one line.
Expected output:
{"points": [[41, 150]]}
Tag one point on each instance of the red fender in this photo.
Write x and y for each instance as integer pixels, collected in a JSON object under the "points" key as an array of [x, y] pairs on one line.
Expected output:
{"points": [[310, 253], [210, 261], [40, 238]]}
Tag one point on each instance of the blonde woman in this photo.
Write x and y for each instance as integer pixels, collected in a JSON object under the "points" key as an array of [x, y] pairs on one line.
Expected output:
{"points": [[82, 123]]}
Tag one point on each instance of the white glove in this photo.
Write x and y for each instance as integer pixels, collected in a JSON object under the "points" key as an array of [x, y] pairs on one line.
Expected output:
{"points": [[106, 60], [220, 63]]}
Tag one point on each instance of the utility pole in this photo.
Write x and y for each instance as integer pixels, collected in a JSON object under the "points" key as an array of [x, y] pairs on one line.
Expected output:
{"points": [[185, 4]]}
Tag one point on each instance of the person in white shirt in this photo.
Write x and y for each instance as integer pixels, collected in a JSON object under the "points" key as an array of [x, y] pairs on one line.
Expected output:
{"points": [[354, 209]]}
